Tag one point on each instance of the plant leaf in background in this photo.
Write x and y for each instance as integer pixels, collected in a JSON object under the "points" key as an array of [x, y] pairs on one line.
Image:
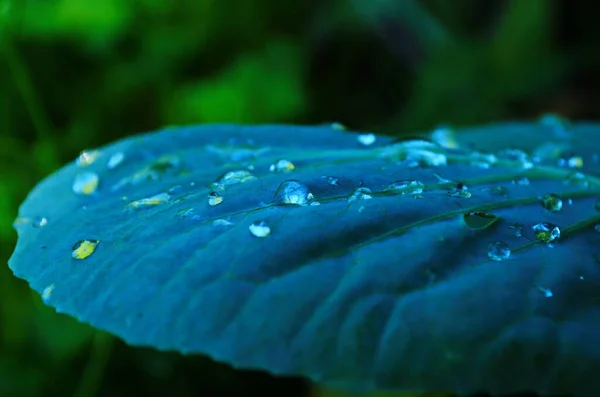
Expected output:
{"points": [[444, 264]]}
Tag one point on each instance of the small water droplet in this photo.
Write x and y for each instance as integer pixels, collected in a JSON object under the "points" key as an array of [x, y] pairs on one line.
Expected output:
{"points": [[115, 160], [552, 202], [151, 201], [87, 157], [282, 166], [569, 201], [232, 178], [214, 198], [259, 229], [520, 156], [479, 220], [185, 212], [39, 222], [293, 192], [460, 190], [522, 181], [546, 232], [445, 137], [221, 223], [498, 251], [406, 186], [332, 180], [482, 160], [338, 126], [47, 293], [547, 292], [361, 193], [516, 229], [572, 161], [440, 179], [366, 139], [86, 183], [84, 248]]}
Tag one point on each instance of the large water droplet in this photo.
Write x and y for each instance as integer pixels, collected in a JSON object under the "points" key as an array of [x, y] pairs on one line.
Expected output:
{"points": [[406, 186], [151, 201], [282, 166], [115, 160], [293, 192], [259, 229], [86, 183], [366, 139], [232, 178], [214, 198], [361, 193], [84, 248], [546, 232], [498, 251], [552, 202], [87, 157]]}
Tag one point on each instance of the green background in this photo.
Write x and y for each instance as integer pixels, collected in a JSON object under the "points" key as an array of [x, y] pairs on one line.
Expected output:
{"points": [[76, 74]]}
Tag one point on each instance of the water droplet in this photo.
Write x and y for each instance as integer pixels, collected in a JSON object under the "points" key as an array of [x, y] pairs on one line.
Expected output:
{"points": [[39, 222], [460, 190], [259, 229], [405, 187], [293, 192], [522, 181], [576, 179], [366, 139], [84, 248], [520, 156], [115, 160], [221, 223], [546, 232], [151, 172], [87, 157], [214, 198], [47, 293], [445, 137], [442, 180], [332, 180], [569, 201], [282, 166], [516, 229], [149, 201], [185, 212], [572, 161], [361, 193], [547, 293], [86, 183], [498, 251], [232, 178], [552, 202], [479, 220], [482, 160]]}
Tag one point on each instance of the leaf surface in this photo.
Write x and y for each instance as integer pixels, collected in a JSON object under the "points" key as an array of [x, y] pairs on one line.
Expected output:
{"points": [[424, 267]]}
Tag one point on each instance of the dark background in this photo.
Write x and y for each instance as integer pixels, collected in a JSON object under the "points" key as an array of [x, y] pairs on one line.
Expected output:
{"points": [[76, 74]]}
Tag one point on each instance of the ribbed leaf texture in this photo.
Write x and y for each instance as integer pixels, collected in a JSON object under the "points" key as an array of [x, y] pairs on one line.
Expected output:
{"points": [[466, 262]]}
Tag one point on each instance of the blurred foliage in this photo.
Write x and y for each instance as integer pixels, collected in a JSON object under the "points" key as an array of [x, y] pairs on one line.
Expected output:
{"points": [[76, 74]]}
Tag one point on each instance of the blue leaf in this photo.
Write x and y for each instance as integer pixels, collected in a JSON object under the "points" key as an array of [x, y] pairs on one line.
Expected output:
{"points": [[354, 260]]}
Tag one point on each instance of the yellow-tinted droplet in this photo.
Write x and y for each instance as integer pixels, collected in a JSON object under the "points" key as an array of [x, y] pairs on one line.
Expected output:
{"points": [[445, 137], [87, 157], [232, 178], [546, 232], [282, 166], [552, 202], [84, 248], [86, 183], [214, 198], [149, 201]]}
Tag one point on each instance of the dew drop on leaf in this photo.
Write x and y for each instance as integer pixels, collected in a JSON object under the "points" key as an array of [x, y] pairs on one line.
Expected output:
{"points": [[547, 292], [479, 220], [39, 222], [445, 137], [332, 180], [361, 193], [406, 186], [47, 292], [282, 166], [86, 183], [552, 202], [576, 179], [232, 178], [460, 190], [259, 229], [293, 192], [221, 223], [151, 201], [87, 157], [498, 251], [84, 248], [338, 126], [366, 139], [546, 232], [185, 212], [214, 198], [115, 160], [482, 160], [522, 181], [516, 229]]}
